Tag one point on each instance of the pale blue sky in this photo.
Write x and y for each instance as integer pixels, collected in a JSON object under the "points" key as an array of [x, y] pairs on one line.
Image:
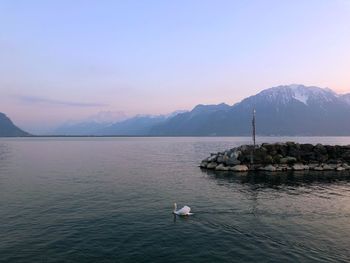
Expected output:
{"points": [[65, 60]]}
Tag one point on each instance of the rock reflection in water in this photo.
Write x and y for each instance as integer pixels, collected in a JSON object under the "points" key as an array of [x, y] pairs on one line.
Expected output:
{"points": [[280, 178]]}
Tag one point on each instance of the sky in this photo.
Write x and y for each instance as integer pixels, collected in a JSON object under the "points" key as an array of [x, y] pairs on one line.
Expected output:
{"points": [[70, 60]]}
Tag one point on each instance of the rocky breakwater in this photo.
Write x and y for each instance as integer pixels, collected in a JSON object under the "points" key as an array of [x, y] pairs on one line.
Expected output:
{"points": [[280, 157]]}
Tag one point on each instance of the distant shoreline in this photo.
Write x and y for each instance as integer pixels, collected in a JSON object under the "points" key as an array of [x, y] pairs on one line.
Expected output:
{"points": [[169, 136]]}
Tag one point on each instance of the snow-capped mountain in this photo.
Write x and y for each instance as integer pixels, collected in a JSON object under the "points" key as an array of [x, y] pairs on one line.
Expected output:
{"points": [[305, 95], [283, 110], [346, 98]]}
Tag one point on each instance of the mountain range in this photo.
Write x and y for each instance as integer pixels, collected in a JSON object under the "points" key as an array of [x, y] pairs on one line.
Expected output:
{"points": [[283, 110], [288, 110], [133, 126]]}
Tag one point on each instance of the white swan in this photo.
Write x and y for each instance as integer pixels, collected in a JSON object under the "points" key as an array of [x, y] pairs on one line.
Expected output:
{"points": [[185, 211]]}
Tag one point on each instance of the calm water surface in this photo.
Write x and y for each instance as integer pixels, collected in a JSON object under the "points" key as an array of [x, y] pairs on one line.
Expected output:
{"points": [[110, 200]]}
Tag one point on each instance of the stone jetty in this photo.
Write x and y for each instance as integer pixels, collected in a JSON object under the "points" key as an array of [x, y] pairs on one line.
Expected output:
{"points": [[280, 157]]}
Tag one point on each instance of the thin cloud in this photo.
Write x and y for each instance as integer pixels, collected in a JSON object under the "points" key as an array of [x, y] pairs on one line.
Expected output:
{"points": [[40, 100]]}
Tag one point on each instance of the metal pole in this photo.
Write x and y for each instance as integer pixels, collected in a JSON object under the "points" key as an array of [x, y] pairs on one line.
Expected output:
{"points": [[253, 135], [253, 124]]}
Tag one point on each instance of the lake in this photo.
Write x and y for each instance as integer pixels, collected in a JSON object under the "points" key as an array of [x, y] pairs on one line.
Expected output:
{"points": [[111, 200]]}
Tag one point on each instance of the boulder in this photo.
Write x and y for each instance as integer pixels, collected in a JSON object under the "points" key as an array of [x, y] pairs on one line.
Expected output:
{"points": [[260, 155], [346, 166], [317, 168], [333, 166], [346, 156], [269, 168], [312, 166], [335, 152], [320, 152], [220, 159], [281, 149], [203, 165], [235, 154], [308, 156], [239, 168], [268, 159], [333, 161], [319, 148], [282, 168], [277, 158], [326, 167], [270, 147], [212, 165], [306, 147], [288, 160], [225, 158], [212, 158], [340, 168], [205, 160], [232, 161], [221, 167], [323, 158], [294, 153], [300, 167]]}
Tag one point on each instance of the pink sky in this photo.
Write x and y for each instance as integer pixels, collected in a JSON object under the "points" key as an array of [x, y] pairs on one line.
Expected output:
{"points": [[68, 61]]}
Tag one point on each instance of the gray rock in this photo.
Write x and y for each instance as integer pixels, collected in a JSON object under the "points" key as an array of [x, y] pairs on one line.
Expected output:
{"points": [[221, 167], [346, 156], [282, 168], [326, 167], [288, 160], [340, 168], [300, 167], [282, 156], [235, 154], [232, 161], [220, 159], [317, 168], [212, 165], [269, 168], [312, 166], [333, 166], [205, 160], [346, 166], [225, 158], [212, 158], [239, 168], [203, 165]]}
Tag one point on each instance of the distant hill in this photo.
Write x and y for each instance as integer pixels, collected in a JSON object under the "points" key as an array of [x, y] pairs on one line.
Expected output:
{"points": [[139, 125], [8, 129], [90, 125], [283, 110], [134, 126], [80, 128]]}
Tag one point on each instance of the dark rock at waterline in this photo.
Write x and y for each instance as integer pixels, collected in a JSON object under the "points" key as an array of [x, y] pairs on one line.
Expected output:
{"points": [[280, 157]]}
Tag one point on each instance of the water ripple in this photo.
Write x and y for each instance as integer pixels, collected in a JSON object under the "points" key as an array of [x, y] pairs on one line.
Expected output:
{"points": [[110, 200]]}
